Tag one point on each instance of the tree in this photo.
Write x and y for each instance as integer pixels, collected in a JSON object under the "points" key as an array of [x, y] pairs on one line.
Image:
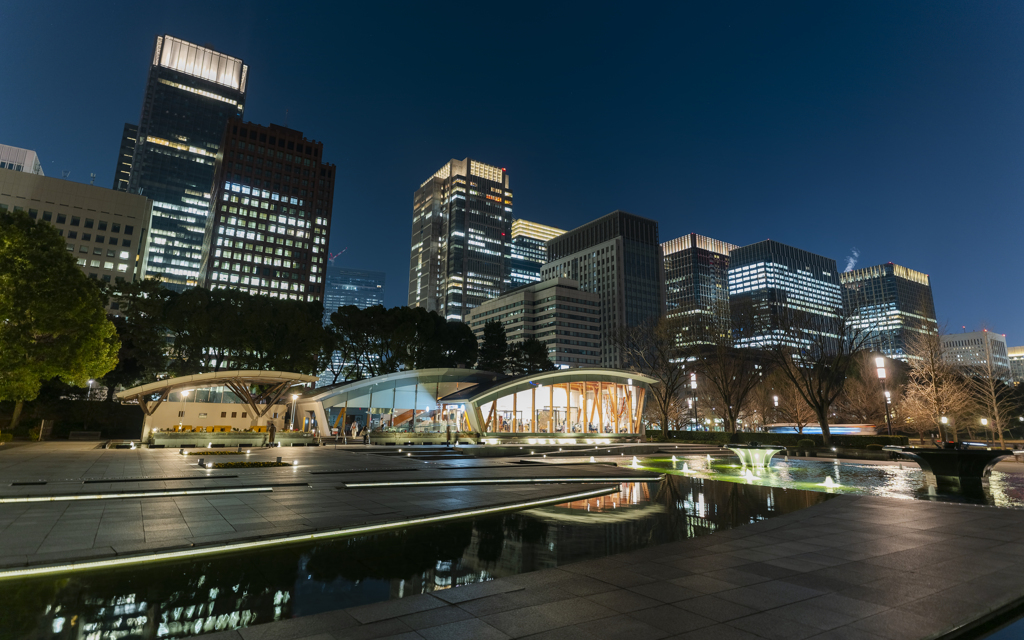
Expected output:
{"points": [[863, 399], [650, 349], [494, 348], [140, 329], [993, 398], [728, 377], [816, 353], [792, 407], [528, 357], [935, 388], [54, 324]]}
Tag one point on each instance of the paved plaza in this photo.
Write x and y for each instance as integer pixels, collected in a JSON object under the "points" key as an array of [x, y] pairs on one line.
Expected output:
{"points": [[848, 568]]}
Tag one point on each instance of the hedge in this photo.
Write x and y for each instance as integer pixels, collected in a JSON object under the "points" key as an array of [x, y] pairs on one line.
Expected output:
{"points": [[785, 439], [249, 465]]}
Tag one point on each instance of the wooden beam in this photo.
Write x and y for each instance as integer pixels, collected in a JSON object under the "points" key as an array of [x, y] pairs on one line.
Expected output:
{"points": [[551, 408], [641, 396], [494, 405], [514, 414]]}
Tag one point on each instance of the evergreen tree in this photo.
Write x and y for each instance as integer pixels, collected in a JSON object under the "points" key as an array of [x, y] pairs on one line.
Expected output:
{"points": [[528, 357], [493, 352], [54, 324]]}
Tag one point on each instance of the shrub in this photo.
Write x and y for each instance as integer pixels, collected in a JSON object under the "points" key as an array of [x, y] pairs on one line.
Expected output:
{"points": [[775, 443], [874, 447], [249, 465], [805, 444], [207, 452], [6, 437]]}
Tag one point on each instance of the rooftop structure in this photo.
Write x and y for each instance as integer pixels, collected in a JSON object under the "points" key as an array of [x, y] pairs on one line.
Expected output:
{"points": [[16, 159]]}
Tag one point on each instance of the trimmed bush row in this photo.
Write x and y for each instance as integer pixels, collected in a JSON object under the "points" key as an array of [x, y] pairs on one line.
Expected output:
{"points": [[248, 465], [207, 452], [785, 439]]}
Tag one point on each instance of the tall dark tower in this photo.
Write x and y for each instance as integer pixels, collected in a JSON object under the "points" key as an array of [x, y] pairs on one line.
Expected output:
{"points": [[268, 230], [461, 238], [191, 93]]}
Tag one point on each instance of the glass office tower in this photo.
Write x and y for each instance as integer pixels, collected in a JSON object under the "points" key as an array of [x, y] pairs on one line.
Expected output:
{"points": [[190, 95], [529, 251], [697, 288], [890, 303], [617, 256], [349, 287], [461, 232], [773, 285]]}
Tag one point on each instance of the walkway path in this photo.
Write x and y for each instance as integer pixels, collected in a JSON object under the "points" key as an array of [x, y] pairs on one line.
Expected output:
{"points": [[850, 568]]}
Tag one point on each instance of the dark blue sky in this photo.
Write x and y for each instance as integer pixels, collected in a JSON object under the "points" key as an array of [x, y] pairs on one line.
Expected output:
{"points": [[895, 128]]}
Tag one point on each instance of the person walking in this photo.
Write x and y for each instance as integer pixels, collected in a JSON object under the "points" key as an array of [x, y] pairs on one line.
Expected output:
{"points": [[273, 432]]}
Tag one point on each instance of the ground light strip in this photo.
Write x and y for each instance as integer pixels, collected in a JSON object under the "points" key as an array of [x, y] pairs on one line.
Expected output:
{"points": [[418, 483], [306, 537], [143, 494]]}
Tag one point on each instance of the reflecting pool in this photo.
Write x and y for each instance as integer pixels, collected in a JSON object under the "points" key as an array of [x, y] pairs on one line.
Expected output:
{"points": [[838, 477], [188, 598]]}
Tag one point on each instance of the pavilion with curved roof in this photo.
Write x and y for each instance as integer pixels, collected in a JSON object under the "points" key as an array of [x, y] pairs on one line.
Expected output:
{"points": [[432, 405]]}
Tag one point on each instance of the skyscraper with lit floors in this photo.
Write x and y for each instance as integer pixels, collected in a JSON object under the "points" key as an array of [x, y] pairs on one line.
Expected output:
{"points": [[529, 251], [889, 303], [697, 288], [191, 93], [461, 238]]}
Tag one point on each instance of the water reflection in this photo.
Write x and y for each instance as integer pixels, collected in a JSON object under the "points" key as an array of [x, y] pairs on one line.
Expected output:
{"points": [[905, 481], [184, 599]]}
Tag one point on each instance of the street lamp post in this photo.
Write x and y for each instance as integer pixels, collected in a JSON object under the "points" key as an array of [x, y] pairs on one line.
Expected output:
{"points": [[943, 422], [693, 392], [880, 365], [88, 396], [984, 424], [295, 397]]}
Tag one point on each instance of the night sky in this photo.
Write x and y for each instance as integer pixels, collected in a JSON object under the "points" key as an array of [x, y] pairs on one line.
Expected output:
{"points": [[896, 128]]}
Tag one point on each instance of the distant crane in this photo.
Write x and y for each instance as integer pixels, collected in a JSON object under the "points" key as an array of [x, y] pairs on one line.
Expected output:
{"points": [[332, 256], [64, 174]]}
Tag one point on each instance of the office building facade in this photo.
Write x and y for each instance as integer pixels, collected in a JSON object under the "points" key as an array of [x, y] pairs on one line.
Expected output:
{"points": [[17, 159], [774, 287], [979, 351], [889, 303], [697, 288], [191, 93], [125, 157], [349, 287], [269, 226], [461, 233], [529, 251], [1016, 357], [556, 312], [618, 257], [103, 229]]}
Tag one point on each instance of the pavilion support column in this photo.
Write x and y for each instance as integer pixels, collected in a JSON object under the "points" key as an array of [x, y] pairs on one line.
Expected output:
{"points": [[488, 426], [533, 408], [551, 408], [641, 396], [515, 427], [600, 407], [629, 409]]}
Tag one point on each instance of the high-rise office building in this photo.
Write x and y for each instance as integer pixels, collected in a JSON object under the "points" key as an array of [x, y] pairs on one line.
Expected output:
{"points": [[1016, 357], [349, 287], [618, 257], [889, 303], [17, 159], [984, 351], [555, 312], [103, 229], [352, 287], [125, 156], [461, 233], [270, 222], [697, 288], [773, 286], [529, 251], [191, 93]]}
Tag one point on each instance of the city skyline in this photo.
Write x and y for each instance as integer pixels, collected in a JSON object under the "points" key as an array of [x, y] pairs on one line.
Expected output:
{"points": [[827, 161]]}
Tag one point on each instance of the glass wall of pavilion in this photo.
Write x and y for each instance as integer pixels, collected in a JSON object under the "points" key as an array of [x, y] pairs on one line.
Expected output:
{"points": [[570, 404]]}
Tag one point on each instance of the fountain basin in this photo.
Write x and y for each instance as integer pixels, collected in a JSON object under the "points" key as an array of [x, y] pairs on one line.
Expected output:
{"points": [[954, 468], [755, 455]]}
